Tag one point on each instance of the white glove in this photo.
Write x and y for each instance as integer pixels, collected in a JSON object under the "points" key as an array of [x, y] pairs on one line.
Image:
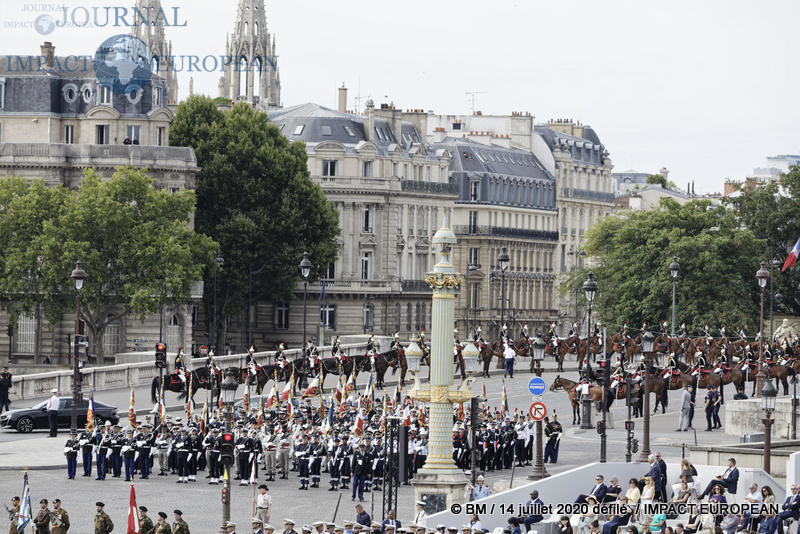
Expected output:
{"points": [[67, 449], [240, 447], [83, 442], [125, 448]]}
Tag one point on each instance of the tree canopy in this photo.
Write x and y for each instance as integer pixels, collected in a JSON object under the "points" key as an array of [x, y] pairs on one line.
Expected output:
{"points": [[631, 253], [255, 198], [135, 243]]}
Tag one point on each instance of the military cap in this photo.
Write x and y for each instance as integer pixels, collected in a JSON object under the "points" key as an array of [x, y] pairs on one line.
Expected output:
{"points": [[306, 528], [56, 500], [267, 526], [317, 523], [289, 521], [43, 501]]}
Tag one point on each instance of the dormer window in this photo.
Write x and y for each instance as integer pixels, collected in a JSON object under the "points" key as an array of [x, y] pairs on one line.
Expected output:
{"points": [[105, 95], [298, 129], [349, 131], [326, 130]]}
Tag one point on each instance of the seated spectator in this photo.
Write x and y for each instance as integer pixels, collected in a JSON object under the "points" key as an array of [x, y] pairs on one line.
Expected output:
{"points": [[729, 524], [718, 495], [679, 528], [564, 526], [632, 530], [617, 520], [594, 528], [790, 508], [598, 491], [753, 497], [694, 523], [649, 491], [658, 523], [475, 524], [535, 517], [633, 494], [688, 472], [585, 520], [728, 480], [682, 495], [513, 523], [613, 491], [669, 530]]}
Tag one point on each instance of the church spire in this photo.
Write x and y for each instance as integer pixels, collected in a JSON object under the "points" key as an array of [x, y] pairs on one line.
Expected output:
{"points": [[150, 19]]}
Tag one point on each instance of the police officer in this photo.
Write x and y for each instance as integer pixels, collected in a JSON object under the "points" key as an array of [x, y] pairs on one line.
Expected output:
{"points": [[71, 452], [301, 453]]}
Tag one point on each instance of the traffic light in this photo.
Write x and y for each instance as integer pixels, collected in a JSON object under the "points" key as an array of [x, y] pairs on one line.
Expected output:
{"points": [[161, 355], [82, 347], [226, 497], [602, 370], [226, 449], [629, 426], [10, 330], [601, 428], [475, 413], [634, 445]]}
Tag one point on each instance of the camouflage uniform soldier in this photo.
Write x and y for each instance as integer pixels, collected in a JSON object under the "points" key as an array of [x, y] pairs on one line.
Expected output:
{"points": [[179, 526], [102, 523]]}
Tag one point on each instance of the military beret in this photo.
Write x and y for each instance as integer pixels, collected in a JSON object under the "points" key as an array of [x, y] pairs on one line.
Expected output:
{"points": [[162, 515], [178, 512], [143, 508], [98, 503]]}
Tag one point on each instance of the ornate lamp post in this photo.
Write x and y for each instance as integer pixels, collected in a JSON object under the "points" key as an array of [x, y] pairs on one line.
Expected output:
{"points": [[647, 352], [590, 288], [539, 471], [470, 269], [502, 261], [580, 252], [439, 482], [674, 268], [305, 270], [471, 354], [79, 276], [768, 394], [228, 394], [762, 275]]}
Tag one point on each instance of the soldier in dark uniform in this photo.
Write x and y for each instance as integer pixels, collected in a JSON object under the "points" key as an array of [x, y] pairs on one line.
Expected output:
{"points": [[116, 442], [510, 440], [573, 330], [213, 441], [360, 467], [552, 431], [318, 452], [378, 462], [195, 446], [244, 450], [181, 446], [71, 452], [301, 452], [145, 441], [5, 385], [369, 457], [346, 469], [683, 331], [335, 464], [129, 450], [85, 441]]}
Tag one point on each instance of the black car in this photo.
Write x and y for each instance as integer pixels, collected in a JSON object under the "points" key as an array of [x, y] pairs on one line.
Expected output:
{"points": [[29, 419]]}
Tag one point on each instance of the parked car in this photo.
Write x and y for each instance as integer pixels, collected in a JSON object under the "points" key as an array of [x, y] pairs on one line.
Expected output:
{"points": [[35, 417]]}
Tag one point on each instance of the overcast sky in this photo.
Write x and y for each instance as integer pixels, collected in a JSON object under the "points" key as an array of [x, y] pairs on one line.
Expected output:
{"points": [[705, 88]]}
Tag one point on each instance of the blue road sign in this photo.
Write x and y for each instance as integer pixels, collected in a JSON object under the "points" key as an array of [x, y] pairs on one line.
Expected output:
{"points": [[536, 386]]}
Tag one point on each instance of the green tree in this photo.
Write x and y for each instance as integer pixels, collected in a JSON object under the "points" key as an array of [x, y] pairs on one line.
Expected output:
{"points": [[662, 180], [631, 253], [255, 198], [772, 212], [136, 245]]}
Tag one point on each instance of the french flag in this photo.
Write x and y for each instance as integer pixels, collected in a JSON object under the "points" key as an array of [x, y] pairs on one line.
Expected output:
{"points": [[791, 259]]}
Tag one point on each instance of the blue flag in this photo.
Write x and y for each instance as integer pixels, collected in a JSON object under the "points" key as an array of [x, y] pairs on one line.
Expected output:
{"points": [[25, 513]]}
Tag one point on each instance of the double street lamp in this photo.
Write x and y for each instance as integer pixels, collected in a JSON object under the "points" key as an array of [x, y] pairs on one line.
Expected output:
{"points": [[78, 275], [762, 275], [647, 352], [590, 288], [502, 261], [305, 271], [674, 268], [768, 395]]}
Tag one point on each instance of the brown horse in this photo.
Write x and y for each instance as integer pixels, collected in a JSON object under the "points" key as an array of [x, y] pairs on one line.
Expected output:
{"points": [[487, 354], [586, 347], [565, 346], [595, 394]]}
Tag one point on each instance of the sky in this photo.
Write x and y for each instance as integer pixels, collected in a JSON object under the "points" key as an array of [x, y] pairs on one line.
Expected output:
{"points": [[706, 88]]}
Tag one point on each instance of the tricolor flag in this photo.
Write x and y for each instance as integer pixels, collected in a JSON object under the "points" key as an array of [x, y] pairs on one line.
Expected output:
{"points": [[313, 389], [406, 414], [90, 414], [204, 421], [25, 512], [133, 515], [382, 429], [791, 259], [162, 406], [368, 394], [351, 382], [189, 400], [358, 426], [287, 389], [289, 405], [272, 398], [260, 420], [132, 411], [504, 402], [342, 408], [421, 415], [246, 402], [339, 393]]}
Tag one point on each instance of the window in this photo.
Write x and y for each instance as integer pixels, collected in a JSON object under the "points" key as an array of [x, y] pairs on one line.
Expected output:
{"points": [[158, 95], [379, 133], [410, 220], [428, 172], [369, 315], [422, 319], [349, 131], [2, 93], [456, 125], [394, 169], [473, 222], [367, 169], [280, 317], [327, 316], [473, 256], [474, 187], [174, 337], [134, 96], [298, 129], [331, 271], [26, 333], [87, 94], [105, 95], [367, 220], [160, 137], [474, 295], [415, 172], [133, 134], [101, 134], [366, 265], [328, 167], [408, 317], [112, 338], [416, 317], [326, 130], [69, 134], [405, 171]]}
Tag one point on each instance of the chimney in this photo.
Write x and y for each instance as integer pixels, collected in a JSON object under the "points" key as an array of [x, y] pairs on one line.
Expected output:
{"points": [[48, 52], [370, 126], [342, 99]]}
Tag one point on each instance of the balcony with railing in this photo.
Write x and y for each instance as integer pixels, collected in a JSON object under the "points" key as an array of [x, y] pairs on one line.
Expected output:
{"points": [[428, 187], [417, 286], [585, 194], [499, 231]]}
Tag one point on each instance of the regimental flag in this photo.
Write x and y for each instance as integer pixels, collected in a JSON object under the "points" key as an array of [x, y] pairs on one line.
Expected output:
{"points": [[791, 259], [132, 411], [339, 393], [133, 515], [382, 429], [504, 401], [406, 413], [358, 426], [484, 390], [246, 402], [25, 512], [330, 416], [421, 415], [272, 398], [289, 405], [313, 389], [342, 408], [368, 394], [460, 415], [162, 406], [90, 413], [287, 389], [260, 420], [204, 421], [350, 386]]}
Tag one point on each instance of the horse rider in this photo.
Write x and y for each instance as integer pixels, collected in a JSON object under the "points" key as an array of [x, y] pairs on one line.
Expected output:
{"points": [[701, 360], [524, 332], [421, 342], [722, 332], [682, 332], [707, 333], [643, 329], [280, 357], [337, 347], [722, 363], [553, 334], [180, 368], [371, 344], [312, 352], [665, 329], [504, 332], [573, 331], [249, 357], [623, 331], [741, 333], [476, 336], [395, 343], [597, 330]]}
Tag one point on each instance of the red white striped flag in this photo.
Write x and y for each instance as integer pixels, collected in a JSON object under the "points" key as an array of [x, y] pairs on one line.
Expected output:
{"points": [[132, 411], [133, 515]]}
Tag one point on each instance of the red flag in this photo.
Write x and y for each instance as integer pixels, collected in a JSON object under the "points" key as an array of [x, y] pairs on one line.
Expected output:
{"points": [[132, 411], [272, 398], [287, 389], [351, 382], [313, 389], [460, 415], [133, 515]]}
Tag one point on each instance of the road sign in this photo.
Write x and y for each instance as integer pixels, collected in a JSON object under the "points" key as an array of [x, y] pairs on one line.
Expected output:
{"points": [[538, 411], [536, 386]]}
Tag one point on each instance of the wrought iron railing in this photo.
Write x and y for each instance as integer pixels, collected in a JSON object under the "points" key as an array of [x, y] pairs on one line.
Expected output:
{"points": [[499, 231], [428, 187], [570, 192]]}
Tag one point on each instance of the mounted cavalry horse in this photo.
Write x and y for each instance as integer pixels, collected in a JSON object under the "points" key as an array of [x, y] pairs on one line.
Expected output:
{"points": [[564, 346], [595, 394], [200, 378]]}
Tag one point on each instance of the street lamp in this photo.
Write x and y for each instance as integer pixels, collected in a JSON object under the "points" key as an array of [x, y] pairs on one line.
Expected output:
{"points": [[774, 263], [305, 270], [502, 261], [470, 269], [761, 275], [577, 255], [768, 394], [590, 288], [228, 394], [78, 275], [250, 302], [647, 352], [674, 268], [220, 261], [539, 471]]}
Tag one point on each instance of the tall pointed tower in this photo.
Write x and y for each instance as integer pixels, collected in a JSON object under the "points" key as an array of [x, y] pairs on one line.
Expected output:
{"points": [[154, 37], [252, 74]]}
